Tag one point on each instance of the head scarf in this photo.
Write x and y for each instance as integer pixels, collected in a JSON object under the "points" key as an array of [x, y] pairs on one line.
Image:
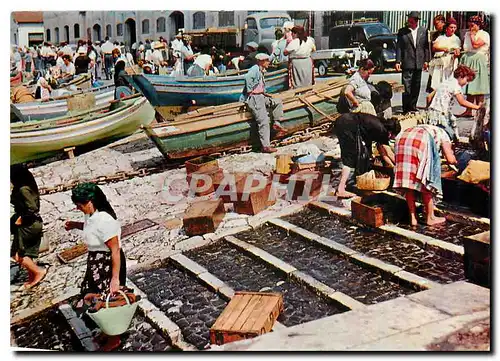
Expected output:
{"points": [[20, 176], [451, 21], [85, 192], [476, 20]]}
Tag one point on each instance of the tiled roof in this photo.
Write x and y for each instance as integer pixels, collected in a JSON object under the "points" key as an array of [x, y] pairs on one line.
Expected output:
{"points": [[28, 16]]}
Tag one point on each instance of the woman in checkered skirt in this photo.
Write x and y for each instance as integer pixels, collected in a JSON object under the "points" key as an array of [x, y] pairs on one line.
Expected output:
{"points": [[418, 167]]}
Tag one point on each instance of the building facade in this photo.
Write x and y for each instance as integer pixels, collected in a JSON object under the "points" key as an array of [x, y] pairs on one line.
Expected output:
{"points": [[27, 28], [133, 26]]}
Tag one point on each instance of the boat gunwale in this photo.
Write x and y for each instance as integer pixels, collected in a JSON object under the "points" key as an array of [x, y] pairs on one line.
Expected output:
{"points": [[207, 81], [79, 119]]}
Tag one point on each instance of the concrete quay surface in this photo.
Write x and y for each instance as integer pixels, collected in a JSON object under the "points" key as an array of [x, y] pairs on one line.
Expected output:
{"points": [[417, 322]]}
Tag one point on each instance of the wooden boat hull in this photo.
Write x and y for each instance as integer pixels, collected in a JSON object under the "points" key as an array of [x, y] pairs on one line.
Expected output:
{"points": [[29, 143], [164, 91], [39, 110], [231, 125]]}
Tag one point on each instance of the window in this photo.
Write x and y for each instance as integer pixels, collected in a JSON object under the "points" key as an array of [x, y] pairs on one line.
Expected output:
{"points": [[251, 24], [199, 20], [48, 35], [119, 29], [376, 29], [267, 23], [357, 35], [250, 12], [145, 26], [339, 38], [328, 22], [160, 25], [56, 30], [66, 33], [226, 18], [76, 30], [108, 31]]}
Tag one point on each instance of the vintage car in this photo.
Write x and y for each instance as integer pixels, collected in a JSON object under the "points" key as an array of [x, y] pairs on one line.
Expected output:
{"points": [[373, 36]]}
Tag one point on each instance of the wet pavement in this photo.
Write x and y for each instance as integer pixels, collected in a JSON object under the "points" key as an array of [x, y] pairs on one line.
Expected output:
{"points": [[452, 232], [244, 273], [362, 284], [404, 254], [47, 331], [193, 307]]}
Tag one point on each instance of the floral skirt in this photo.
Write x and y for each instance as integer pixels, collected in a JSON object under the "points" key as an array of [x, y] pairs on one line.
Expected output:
{"points": [[98, 275]]}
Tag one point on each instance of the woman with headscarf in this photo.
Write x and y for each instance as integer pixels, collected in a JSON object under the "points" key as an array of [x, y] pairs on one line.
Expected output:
{"points": [[301, 66], [476, 56], [446, 49], [106, 263], [356, 132], [26, 224]]}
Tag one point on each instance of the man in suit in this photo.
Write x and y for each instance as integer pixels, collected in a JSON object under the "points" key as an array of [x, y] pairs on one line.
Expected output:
{"points": [[412, 55]]}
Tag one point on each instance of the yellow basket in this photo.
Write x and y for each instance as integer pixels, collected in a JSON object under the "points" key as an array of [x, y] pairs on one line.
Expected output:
{"points": [[369, 182]]}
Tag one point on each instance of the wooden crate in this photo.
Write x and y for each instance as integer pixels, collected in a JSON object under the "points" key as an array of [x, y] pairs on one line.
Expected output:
{"points": [[296, 188], [283, 162], [248, 314], [201, 164], [238, 177], [372, 216], [477, 258], [216, 175], [203, 217], [257, 201]]}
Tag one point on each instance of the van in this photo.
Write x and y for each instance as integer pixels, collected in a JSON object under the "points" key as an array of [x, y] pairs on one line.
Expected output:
{"points": [[260, 28]]}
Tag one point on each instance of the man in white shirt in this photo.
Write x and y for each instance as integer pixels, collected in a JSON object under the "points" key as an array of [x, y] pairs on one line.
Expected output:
{"points": [[107, 49], [412, 55], [177, 45], [67, 70]]}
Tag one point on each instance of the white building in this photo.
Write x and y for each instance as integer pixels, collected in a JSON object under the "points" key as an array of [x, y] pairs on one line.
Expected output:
{"points": [[27, 28], [132, 26]]}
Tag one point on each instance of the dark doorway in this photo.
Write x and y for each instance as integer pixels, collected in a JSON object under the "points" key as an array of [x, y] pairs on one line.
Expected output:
{"points": [[96, 32], [176, 22], [130, 34]]}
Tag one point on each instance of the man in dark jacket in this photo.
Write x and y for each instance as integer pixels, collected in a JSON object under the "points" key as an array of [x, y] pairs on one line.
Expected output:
{"points": [[412, 55]]}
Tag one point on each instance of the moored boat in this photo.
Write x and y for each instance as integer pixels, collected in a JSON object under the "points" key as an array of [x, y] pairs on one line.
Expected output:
{"points": [[166, 91], [40, 139], [215, 129], [58, 106]]}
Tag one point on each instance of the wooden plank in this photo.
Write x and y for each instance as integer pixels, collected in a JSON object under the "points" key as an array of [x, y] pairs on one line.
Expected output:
{"points": [[236, 312], [240, 321], [256, 313], [268, 314], [227, 313]]}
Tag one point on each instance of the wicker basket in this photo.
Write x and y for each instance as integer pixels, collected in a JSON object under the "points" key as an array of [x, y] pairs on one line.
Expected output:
{"points": [[369, 182]]}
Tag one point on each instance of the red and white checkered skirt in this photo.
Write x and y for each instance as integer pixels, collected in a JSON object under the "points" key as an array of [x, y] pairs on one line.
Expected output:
{"points": [[410, 153]]}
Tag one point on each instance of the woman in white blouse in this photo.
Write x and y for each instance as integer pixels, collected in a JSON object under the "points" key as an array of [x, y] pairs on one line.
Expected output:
{"points": [[446, 49], [106, 267], [477, 49], [300, 66]]}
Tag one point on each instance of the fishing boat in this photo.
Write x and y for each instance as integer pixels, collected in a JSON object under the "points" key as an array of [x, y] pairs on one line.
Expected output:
{"points": [[41, 139], [214, 129], [169, 95], [58, 106]]}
